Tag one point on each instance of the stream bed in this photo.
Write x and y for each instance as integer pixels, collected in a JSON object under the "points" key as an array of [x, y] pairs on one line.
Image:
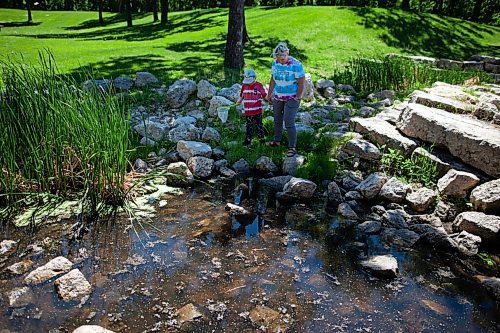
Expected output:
{"points": [[289, 269]]}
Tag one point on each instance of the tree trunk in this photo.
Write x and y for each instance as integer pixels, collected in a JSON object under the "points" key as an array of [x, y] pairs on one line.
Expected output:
{"points": [[155, 10], [128, 9], [246, 37], [233, 55], [28, 7], [101, 19], [164, 11], [405, 5], [477, 10]]}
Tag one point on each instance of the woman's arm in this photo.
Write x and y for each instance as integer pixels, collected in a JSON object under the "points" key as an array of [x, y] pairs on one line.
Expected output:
{"points": [[301, 82], [271, 88]]}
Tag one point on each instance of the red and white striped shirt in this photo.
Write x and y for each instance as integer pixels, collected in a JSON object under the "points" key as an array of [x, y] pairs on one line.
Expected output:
{"points": [[252, 95]]}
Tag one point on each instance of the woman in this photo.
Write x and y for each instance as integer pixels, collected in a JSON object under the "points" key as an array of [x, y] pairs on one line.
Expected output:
{"points": [[285, 92]]}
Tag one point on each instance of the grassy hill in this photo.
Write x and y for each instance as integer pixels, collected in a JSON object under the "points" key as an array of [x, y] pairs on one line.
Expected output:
{"points": [[192, 44]]}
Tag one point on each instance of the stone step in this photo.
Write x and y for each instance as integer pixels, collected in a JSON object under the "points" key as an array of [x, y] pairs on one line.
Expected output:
{"points": [[475, 142], [380, 131], [440, 102]]}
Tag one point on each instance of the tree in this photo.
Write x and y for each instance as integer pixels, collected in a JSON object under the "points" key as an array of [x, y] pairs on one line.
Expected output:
{"points": [[246, 38], [233, 55], [477, 9], [164, 11], [128, 10], [28, 7], [154, 8], [101, 19]]}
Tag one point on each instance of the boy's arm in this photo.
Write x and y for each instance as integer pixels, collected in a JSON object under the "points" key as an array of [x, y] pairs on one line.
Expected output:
{"points": [[262, 91]]}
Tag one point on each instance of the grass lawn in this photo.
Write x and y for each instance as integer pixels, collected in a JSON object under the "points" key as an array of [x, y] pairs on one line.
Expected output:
{"points": [[192, 44]]}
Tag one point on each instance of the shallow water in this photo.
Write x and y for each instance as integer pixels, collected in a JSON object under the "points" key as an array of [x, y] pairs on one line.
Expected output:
{"points": [[298, 265]]}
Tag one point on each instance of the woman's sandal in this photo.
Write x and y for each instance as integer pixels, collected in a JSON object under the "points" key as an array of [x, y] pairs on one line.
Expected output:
{"points": [[273, 144], [291, 152]]}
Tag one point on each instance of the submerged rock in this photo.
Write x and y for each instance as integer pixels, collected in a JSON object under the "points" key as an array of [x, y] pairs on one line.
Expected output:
{"points": [[92, 329], [7, 246], [73, 286], [53, 268], [188, 313], [20, 297], [267, 319], [235, 210], [20, 267]]}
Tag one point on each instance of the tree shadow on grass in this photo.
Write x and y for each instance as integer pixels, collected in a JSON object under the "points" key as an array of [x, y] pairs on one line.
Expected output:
{"points": [[427, 34], [108, 20], [18, 24]]}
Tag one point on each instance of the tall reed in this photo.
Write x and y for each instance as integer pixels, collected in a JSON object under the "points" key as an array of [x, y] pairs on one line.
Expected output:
{"points": [[58, 138], [400, 74]]}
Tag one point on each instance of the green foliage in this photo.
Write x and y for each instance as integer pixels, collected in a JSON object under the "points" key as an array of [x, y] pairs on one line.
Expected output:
{"points": [[58, 138], [418, 169], [486, 259], [400, 74]]}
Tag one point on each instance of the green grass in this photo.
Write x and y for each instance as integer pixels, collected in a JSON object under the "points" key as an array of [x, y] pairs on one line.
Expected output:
{"points": [[192, 44]]}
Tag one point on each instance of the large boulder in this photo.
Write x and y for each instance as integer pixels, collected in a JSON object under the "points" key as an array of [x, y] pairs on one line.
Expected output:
{"points": [[323, 84], [73, 286], [143, 79], [486, 197], [179, 92], [53, 268], [206, 90], [188, 149], [440, 102], [385, 266], [123, 83], [485, 226], [201, 166], [394, 190], [241, 167], [298, 189], [265, 164], [232, 93], [185, 132], [362, 149], [457, 183], [473, 141], [421, 199], [308, 93], [217, 101], [152, 129]]}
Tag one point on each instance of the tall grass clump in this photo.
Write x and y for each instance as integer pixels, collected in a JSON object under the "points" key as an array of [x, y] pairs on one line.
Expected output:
{"points": [[58, 138], [400, 74]]}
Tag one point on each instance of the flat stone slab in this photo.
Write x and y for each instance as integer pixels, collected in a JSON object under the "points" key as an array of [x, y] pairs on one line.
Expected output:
{"points": [[382, 132], [440, 102], [53, 268], [475, 142]]}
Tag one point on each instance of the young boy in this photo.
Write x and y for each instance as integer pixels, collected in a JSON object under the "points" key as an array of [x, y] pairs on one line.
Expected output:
{"points": [[252, 93]]}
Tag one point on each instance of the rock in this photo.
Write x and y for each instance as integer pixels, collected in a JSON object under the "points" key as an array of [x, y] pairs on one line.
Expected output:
{"points": [[305, 118], [178, 174], [275, 184], [102, 85], [219, 164], [145, 141], [351, 180], [449, 64], [73, 286], [401, 237], [346, 88], [303, 128], [369, 227], [53, 268], [235, 210], [7, 246], [123, 83], [20, 267], [473, 65], [188, 149], [188, 313], [185, 121], [442, 167], [394, 190], [299, 189], [381, 95], [218, 153], [473, 141], [384, 266], [485, 226], [265, 164], [457, 183], [346, 211], [436, 239], [486, 197], [329, 92], [206, 90], [439, 102], [380, 131], [267, 319], [151, 129], [446, 212], [201, 166], [143, 79], [371, 186], [421, 199], [292, 164], [226, 172], [308, 92], [232, 93], [179, 92], [492, 284], [210, 134], [323, 84], [426, 219], [395, 218], [217, 101], [92, 329], [468, 243], [186, 133], [486, 111], [241, 167], [451, 91], [19, 297], [334, 194], [353, 195], [362, 149]]}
